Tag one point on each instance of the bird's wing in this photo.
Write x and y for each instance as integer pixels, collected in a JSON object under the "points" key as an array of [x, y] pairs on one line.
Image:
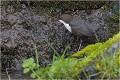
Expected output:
{"points": [[79, 30], [81, 26]]}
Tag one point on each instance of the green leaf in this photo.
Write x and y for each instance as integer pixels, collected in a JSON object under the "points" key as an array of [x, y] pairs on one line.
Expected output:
{"points": [[32, 66], [25, 65], [36, 54], [28, 62], [37, 66], [53, 49], [63, 55], [26, 70], [40, 71], [33, 75]]}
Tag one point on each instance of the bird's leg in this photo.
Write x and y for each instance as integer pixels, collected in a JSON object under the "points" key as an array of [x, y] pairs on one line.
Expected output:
{"points": [[80, 44]]}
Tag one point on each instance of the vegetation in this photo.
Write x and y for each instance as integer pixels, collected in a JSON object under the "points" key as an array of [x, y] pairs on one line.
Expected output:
{"points": [[109, 66], [62, 68]]}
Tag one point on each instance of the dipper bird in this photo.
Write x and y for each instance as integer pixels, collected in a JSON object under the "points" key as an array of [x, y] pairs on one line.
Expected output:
{"points": [[77, 25]]}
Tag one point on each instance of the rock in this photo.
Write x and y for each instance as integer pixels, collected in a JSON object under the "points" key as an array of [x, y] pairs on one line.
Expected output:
{"points": [[8, 48], [23, 27], [10, 9]]}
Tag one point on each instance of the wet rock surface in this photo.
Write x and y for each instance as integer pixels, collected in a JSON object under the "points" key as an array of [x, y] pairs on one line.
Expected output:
{"points": [[23, 28]]}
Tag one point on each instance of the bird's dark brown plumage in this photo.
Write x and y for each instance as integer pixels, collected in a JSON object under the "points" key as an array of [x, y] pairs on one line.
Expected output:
{"points": [[78, 25]]}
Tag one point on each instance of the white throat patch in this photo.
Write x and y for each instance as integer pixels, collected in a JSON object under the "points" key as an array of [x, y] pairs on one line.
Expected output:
{"points": [[66, 25]]}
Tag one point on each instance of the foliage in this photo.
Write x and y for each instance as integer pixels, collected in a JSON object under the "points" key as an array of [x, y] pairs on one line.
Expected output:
{"points": [[28, 65], [98, 47], [62, 68], [109, 66]]}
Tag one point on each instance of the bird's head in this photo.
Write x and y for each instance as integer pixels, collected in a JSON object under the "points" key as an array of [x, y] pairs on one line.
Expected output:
{"points": [[66, 19]]}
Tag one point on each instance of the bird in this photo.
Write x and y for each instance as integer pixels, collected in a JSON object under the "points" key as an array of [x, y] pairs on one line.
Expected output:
{"points": [[77, 25]]}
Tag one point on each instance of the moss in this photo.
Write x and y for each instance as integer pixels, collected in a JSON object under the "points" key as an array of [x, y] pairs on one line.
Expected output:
{"points": [[62, 68], [98, 47], [93, 51]]}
